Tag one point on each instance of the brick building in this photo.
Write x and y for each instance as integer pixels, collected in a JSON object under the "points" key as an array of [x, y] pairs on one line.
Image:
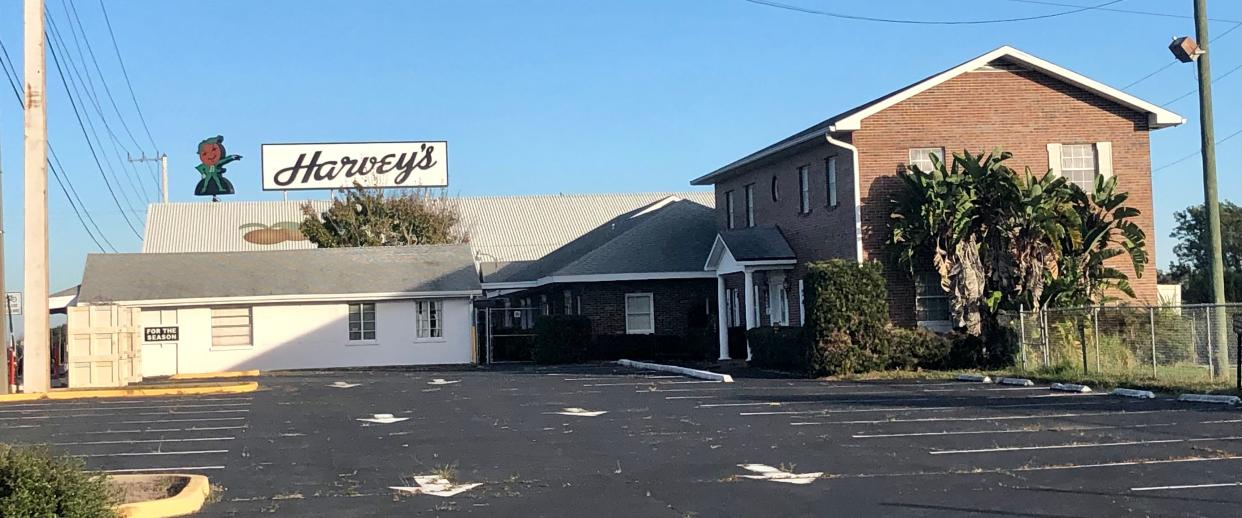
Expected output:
{"points": [[826, 192]]}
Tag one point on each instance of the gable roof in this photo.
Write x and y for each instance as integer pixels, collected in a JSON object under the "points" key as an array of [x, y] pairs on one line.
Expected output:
{"points": [[663, 240], [761, 243], [851, 119], [501, 228], [318, 274]]}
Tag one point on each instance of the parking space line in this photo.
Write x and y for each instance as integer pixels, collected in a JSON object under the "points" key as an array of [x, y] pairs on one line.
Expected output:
{"points": [[1191, 486], [1009, 430], [149, 453], [183, 420], [1085, 445], [104, 402], [153, 430], [1055, 467], [991, 418], [144, 470], [689, 397], [144, 407], [648, 383], [170, 412], [910, 409], [142, 441]]}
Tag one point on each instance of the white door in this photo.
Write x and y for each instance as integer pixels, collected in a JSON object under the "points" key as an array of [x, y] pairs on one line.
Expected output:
{"points": [[159, 353]]}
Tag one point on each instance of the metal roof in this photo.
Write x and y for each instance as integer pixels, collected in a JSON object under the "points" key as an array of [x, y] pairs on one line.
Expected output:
{"points": [[501, 228], [382, 272]]}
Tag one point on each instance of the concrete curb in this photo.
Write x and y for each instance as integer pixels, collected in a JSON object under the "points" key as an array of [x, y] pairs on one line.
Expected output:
{"points": [[685, 371], [1021, 382], [188, 501], [976, 378], [1071, 387], [214, 375], [1141, 394], [1210, 398], [173, 390]]}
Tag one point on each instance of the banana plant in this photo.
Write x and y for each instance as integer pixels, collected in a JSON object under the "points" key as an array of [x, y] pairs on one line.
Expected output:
{"points": [[1106, 230]]}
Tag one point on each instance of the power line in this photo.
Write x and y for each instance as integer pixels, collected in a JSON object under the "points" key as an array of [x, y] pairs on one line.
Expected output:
{"points": [[1174, 62], [125, 74], [82, 126], [1192, 92], [10, 75], [1196, 153], [907, 21], [1127, 11]]}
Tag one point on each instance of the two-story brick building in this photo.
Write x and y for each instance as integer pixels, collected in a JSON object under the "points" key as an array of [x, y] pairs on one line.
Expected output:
{"points": [[826, 192]]}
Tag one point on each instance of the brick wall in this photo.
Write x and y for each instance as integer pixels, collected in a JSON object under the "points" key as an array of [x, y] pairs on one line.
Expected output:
{"points": [[604, 302]]}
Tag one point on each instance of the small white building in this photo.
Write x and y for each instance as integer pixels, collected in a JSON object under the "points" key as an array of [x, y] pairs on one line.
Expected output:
{"points": [[292, 309]]}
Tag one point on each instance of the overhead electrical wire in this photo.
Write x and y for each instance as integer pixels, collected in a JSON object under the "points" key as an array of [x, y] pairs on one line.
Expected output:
{"points": [[1192, 92], [10, 74], [1196, 153], [1116, 10], [910, 21], [125, 74], [1174, 62]]}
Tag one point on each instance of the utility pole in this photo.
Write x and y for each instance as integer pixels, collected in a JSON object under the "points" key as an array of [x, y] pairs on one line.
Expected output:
{"points": [[4, 331], [163, 159], [36, 365]]}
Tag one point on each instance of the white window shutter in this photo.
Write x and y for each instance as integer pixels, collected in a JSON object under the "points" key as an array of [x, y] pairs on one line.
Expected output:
{"points": [[1104, 156], [1054, 159]]}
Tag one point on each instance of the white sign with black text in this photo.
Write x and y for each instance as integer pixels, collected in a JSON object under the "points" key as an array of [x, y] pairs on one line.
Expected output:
{"points": [[14, 302], [288, 167]]}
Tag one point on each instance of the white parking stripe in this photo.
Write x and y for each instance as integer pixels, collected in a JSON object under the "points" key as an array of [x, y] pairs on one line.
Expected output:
{"points": [[183, 420], [142, 441], [169, 412], [148, 453], [1086, 445], [1192, 486], [105, 402], [144, 470], [689, 397], [992, 418], [1057, 467], [909, 409], [645, 383], [144, 407], [151, 430], [1018, 430]]}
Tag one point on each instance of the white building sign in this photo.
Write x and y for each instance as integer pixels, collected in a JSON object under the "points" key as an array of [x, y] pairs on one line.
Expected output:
{"points": [[288, 167], [14, 302]]}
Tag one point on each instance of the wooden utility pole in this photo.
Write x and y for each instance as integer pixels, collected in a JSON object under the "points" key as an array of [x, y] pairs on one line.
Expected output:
{"points": [[37, 368], [4, 331]]}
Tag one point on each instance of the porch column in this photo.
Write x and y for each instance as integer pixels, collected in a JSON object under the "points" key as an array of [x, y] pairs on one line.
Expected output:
{"points": [[722, 317], [750, 306]]}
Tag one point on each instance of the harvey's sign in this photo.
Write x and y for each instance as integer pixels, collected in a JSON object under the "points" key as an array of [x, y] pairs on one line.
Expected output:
{"points": [[289, 167]]}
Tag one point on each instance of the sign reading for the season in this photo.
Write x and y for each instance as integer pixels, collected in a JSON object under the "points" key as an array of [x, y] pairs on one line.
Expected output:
{"points": [[289, 167], [160, 334]]}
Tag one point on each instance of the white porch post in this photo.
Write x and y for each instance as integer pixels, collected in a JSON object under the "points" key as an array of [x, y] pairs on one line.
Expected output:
{"points": [[750, 305], [722, 317]]}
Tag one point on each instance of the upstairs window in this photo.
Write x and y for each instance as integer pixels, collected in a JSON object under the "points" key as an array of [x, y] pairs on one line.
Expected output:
{"points": [[830, 165], [1079, 165], [804, 189], [750, 205], [730, 221], [921, 157]]}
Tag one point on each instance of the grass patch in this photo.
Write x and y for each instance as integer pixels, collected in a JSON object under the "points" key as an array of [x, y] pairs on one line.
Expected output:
{"points": [[1168, 382]]}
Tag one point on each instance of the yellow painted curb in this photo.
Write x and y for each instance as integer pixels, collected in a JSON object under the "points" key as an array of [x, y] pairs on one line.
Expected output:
{"points": [[172, 390], [212, 375], [6, 398], [188, 501]]}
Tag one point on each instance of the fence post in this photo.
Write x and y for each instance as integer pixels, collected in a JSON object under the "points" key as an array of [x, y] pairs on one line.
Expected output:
{"points": [[1151, 316], [1043, 314], [1095, 331], [1211, 366], [1022, 334]]}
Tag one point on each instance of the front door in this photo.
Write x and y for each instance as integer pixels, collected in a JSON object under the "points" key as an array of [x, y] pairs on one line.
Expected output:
{"points": [[160, 336]]}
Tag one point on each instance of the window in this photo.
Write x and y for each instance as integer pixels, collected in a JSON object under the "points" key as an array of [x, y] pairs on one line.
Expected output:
{"points": [[1078, 165], [361, 321], [921, 157], [733, 307], [230, 327], [804, 189], [750, 205], [639, 314], [801, 304], [729, 212], [430, 319], [569, 302], [931, 302], [776, 189], [830, 165]]}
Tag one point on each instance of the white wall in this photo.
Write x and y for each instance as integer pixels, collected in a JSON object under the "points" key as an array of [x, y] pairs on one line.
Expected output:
{"points": [[315, 335]]}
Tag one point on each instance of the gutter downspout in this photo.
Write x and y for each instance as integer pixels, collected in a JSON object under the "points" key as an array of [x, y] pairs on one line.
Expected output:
{"points": [[858, 244]]}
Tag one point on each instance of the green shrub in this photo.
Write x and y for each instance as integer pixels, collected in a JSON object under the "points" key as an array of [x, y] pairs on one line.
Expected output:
{"points": [[835, 354], [561, 338], [781, 348], [917, 349], [850, 298], [35, 483]]}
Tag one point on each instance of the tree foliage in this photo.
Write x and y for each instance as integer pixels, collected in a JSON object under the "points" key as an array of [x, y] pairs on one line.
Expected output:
{"points": [[369, 217], [1192, 268], [998, 238]]}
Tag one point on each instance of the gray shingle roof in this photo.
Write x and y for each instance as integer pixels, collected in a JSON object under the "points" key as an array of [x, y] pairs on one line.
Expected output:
{"points": [[673, 236], [757, 244], [325, 271]]}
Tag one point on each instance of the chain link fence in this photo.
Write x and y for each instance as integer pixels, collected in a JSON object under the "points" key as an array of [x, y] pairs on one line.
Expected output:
{"points": [[1186, 343]]}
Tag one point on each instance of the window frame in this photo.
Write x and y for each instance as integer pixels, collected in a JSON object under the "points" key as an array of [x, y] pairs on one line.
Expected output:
{"points": [[776, 189], [1094, 155], [249, 328], [730, 211], [912, 161], [920, 296], [830, 173], [804, 189], [650, 313], [749, 190], [362, 321], [433, 322], [568, 300]]}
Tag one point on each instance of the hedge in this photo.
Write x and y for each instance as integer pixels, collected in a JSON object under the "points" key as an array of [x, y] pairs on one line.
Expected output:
{"points": [[694, 345], [561, 339], [781, 348], [35, 483], [850, 298]]}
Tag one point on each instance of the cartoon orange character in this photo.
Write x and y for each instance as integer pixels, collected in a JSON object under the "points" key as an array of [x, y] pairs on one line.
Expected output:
{"points": [[212, 155]]}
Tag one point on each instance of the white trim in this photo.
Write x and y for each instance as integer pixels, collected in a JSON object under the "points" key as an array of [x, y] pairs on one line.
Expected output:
{"points": [[650, 312], [1054, 159], [780, 264], [603, 277], [858, 238], [1104, 159], [801, 303], [709, 177], [1157, 117], [276, 299]]}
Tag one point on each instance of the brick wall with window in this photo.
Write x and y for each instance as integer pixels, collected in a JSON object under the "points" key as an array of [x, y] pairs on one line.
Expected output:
{"points": [[605, 303], [1021, 112]]}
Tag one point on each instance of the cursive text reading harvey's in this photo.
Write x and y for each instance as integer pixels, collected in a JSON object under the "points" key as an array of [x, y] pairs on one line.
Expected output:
{"points": [[404, 165]]}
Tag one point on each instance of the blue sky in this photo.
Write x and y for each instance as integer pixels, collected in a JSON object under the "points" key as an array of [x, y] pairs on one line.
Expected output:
{"points": [[554, 96]]}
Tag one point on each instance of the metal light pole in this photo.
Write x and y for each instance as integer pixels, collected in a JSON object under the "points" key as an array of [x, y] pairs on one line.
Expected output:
{"points": [[1186, 50], [36, 353]]}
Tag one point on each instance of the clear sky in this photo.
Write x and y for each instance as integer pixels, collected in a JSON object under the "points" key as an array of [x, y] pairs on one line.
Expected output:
{"points": [[547, 96]]}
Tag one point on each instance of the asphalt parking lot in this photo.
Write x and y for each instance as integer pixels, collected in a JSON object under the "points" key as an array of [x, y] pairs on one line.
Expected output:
{"points": [[664, 445]]}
